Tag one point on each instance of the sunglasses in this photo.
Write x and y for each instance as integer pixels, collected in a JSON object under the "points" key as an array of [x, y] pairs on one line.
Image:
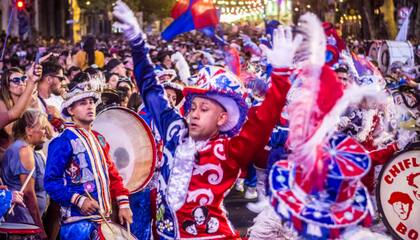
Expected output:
{"points": [[17, 80], [60, 78]]}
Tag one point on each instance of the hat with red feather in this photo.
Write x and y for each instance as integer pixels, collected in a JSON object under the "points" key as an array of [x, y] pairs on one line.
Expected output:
{"points": [[317, 190]]}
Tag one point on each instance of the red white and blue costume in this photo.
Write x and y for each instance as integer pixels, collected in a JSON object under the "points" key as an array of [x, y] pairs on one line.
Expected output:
{"points": [[79, 161], [194, 177]]}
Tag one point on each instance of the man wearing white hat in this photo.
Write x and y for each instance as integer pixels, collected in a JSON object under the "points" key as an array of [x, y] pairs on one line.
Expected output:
{"points": [[80, 175]]}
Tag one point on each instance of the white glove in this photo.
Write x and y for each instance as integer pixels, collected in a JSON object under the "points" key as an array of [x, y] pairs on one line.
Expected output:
{"points": [[284, 47], [127, 21]]}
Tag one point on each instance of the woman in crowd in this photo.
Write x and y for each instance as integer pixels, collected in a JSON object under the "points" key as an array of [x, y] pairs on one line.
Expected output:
{"points": [[16, 91], [89, 56], [18, 161]]}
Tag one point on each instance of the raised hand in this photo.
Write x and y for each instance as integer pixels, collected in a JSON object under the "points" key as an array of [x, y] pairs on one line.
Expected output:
{"points": [[34, 73], [284, 47], [127, 21]]}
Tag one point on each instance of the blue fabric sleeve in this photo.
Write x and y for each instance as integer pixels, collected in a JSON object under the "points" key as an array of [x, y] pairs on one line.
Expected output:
{"points": [[59, 155], [5, 201], [151, 92]]}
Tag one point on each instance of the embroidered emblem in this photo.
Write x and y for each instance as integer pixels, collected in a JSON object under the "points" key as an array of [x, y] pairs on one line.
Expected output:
{"points": [[201, 222], [74, 172], [102, 141]]}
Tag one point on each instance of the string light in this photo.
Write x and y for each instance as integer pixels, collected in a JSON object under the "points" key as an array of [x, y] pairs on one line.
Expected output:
{"points": [[234, 10]]}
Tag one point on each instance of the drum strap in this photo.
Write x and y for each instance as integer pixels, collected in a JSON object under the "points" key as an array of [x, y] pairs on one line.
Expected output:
{"points": [[99, 166]]}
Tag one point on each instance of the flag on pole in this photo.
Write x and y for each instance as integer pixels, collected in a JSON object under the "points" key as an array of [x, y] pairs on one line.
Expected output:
{"points": [[189, 15], [402, 34], [363, 66]]}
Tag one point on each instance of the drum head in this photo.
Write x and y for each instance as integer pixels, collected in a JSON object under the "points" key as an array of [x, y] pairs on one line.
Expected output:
{"points": [[398, 195], [393, 51], [19, 228], [132, 146], [116, 232]]}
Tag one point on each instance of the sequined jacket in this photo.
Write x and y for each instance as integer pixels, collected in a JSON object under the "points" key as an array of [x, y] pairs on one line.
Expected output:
{"points": [[79, 160], [5, 201], [191, 190]]}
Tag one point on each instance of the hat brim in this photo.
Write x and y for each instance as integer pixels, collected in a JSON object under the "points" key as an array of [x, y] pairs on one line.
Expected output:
{"points": [[69, 102], [290, 206], [234, 105]]}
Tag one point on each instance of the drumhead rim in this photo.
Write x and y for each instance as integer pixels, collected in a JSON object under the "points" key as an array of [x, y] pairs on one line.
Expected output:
{"points": [[149, 134], [411, 147], [116, 225], [19, 231]]}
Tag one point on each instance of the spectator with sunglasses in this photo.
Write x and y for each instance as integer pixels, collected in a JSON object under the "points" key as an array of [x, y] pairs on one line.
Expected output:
{"points": [[51, 88], [16, 91]]}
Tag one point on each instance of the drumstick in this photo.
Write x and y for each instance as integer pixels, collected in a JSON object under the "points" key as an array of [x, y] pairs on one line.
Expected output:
{"points": [[22, 188], [128, 229], [100, 213]]}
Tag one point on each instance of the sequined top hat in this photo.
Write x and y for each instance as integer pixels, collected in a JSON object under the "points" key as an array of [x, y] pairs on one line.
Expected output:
{"points": [[342, 202], [77, 93]]}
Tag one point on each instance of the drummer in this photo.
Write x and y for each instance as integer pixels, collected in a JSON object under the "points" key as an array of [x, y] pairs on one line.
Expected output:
{"points": [[201, 162], [79, 175]]}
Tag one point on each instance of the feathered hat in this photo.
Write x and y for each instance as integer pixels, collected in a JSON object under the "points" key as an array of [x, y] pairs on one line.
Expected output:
{"points": [[78, 92], [318, 191]]}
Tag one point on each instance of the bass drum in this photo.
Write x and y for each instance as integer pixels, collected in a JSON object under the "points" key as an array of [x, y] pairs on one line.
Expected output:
{"points": [[398, 194], [395, 51], [132, 145]]}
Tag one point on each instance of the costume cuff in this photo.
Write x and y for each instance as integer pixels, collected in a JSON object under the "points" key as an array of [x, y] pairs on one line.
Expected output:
{"points": [[282, 71], [123, 201], [78, 200], [138, 39]]}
